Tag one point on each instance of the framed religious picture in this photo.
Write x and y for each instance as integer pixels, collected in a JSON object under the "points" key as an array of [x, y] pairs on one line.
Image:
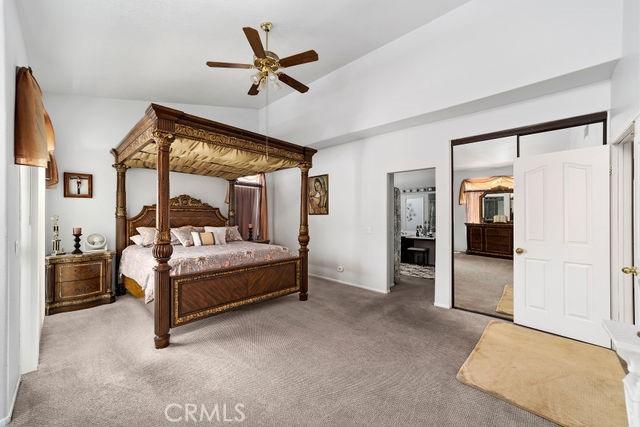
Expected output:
{"points": [[318, 197], [78, 185]]}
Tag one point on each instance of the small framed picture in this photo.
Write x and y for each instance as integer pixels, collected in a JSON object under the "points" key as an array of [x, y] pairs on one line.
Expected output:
{"points": [[318, 197], [78, 185]]}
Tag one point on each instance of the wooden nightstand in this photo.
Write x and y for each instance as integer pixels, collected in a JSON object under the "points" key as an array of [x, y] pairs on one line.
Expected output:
{"points": [[78, 281]]}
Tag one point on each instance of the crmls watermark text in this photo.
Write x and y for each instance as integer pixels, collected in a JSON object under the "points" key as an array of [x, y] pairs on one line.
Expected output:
{"points": [[201, 413]]}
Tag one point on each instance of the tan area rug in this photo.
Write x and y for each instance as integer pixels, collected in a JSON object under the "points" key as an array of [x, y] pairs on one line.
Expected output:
{"points": [[505, 305], [567, 382]]}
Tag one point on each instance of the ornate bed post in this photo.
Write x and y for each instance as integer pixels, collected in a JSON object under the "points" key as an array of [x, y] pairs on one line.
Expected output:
{"points": [[162, 248], [303, 234], [121, 218], [232, 202]]}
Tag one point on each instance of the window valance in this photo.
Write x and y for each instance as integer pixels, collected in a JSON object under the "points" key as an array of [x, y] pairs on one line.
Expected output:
{"points": [[483, 184], [34, 138]]}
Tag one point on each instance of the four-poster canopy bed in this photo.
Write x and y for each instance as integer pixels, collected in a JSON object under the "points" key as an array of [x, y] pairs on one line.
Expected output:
{"points": [[170, 140]]}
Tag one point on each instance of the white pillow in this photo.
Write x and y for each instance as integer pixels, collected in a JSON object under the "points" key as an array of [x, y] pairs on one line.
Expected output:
{"points": [[137, 239], [219, 233]]}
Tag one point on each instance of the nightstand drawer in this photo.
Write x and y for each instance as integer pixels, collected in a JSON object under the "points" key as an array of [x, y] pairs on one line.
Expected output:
{"points": [[79, 271], [79, 288]]}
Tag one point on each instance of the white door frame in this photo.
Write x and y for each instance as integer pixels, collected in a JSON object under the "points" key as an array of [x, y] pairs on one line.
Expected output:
{"points": [[622, 230], [32, 252]]}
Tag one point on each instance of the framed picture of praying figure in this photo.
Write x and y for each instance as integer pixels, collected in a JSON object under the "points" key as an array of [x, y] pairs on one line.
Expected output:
{"points": [[79, 185], [318, 197]]}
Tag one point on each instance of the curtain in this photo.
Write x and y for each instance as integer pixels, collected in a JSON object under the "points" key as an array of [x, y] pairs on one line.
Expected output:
{"points": [[472, 206], [247, 211], [483, 184], [263, 223], [30, 142]]}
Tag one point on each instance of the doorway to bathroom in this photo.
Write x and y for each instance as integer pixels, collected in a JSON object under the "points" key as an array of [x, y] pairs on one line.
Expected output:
{"points": [[414, 230]]}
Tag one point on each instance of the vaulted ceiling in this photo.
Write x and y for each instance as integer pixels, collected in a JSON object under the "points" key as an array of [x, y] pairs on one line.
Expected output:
{"points": [[156, 49]]}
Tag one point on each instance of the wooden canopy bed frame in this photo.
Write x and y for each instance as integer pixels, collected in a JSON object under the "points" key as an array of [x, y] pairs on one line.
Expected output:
{"points": [[170, 140]]}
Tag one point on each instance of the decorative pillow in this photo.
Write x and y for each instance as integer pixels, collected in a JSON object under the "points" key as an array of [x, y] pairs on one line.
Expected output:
{"points": [[183, 234], [233, 234], [148, 234], [202, 238], [137, 239], [220, 234]]}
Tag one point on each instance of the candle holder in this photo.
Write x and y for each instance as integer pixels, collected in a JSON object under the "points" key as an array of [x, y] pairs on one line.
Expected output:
{"points": [[77, 251], [250, 234]]}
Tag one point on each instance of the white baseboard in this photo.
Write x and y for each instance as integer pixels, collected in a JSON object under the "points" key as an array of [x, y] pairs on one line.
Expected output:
{"points": [[5, 421], [355, 285]]}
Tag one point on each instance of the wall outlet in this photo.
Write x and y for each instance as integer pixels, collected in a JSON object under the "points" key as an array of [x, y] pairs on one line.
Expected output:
{"points": [[340, 269]]}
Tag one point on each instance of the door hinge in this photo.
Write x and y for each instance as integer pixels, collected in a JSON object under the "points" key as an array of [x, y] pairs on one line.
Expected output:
{"points": [[610, 170]]}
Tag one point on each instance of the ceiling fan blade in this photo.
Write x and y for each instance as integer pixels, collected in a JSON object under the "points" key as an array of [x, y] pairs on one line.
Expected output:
{"points": [[290, 81], [299, 58], [254, 40], [227, 65], [253, 90]]}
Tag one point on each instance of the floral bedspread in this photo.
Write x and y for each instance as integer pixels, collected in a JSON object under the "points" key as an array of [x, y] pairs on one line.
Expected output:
{"points": [[137, 261]]}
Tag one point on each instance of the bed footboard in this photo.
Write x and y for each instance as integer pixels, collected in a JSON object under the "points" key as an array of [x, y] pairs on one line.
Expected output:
{"points": [[200, 295]]}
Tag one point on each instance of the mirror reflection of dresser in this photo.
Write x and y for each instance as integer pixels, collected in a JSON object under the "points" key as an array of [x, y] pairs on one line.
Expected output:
{"points": [[493, 235]]}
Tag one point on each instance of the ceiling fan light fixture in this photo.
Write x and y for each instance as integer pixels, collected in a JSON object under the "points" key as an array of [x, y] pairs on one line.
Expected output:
{"points": [[267, 64]]}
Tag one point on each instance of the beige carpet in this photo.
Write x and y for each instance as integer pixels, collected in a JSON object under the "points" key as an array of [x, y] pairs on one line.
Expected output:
{"points": [[479, 282], [566, 381], [505, 305], [347, 356]]}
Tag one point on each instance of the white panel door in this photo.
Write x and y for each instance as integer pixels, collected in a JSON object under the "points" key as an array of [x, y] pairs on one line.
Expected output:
{"points": [[561, 225]]}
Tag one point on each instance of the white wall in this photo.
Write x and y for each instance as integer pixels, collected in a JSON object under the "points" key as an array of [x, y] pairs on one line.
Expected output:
{"points": [[13, 53], [414, 179], [481, 50], [625, 82], [354, 234], [86, 130], [459, 212]]}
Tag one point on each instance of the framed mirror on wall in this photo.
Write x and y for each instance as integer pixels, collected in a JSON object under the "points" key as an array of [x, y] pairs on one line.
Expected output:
{"points": [[496, 205], [483, 215]]}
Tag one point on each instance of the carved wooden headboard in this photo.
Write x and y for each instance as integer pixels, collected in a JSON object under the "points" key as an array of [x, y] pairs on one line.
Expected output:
{"points": [[184, 210]]}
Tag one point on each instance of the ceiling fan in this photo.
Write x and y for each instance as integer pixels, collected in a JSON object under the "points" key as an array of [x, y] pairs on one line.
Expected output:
{"points": [[268, 63]]}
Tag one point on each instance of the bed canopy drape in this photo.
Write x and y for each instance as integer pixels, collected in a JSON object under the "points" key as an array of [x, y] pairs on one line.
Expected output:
{"points": [[166, 140]]}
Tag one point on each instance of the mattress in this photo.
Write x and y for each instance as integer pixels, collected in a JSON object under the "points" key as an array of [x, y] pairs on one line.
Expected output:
{"points": [[137, 262]]}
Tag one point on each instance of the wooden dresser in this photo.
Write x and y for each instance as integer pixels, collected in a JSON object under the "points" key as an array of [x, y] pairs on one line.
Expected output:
{"points": [[78, 281], [490, 239]]}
